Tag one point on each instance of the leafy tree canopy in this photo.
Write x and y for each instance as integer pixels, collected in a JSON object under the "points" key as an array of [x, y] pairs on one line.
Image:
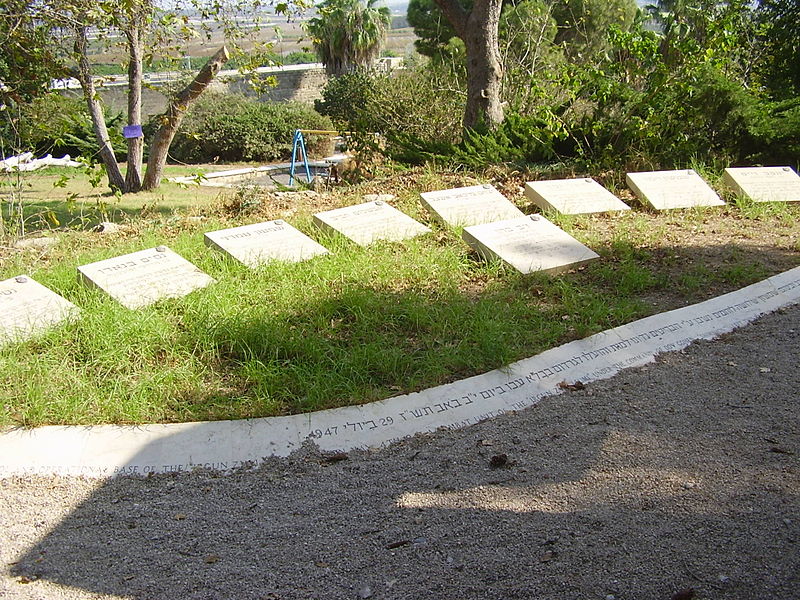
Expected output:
{"points": [[348, 34], [581, 24], [29, 60], [780, 20]]}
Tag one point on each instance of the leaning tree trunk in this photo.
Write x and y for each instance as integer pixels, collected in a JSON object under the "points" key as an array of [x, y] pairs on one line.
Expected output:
{"points": [[478, 28], [115, 179], [133, 175], [172, 118]]}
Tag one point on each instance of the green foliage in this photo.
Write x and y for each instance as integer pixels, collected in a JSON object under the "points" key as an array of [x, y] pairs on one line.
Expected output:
{"points": [[687, 90], [723, 33], [583, 24], [530, 56], [415, 103], [774, 128], [234, 128], [519, 139], [432, 30], [348, 34], [780, 20], [342, 96], [298, 58], [29, 59], [58, 125], [669, 103]]}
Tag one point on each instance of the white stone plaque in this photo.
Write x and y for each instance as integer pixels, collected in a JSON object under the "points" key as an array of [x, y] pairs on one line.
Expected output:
{"points": [[573, 196], [28, 308], [764, 184], [471, 205], [528, 244], [139, 279], [370, 222], [664, 190], [260, 243]]}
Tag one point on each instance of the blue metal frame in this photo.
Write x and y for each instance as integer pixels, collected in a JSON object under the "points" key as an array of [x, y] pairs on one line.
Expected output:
{"points": [[299, 143]]}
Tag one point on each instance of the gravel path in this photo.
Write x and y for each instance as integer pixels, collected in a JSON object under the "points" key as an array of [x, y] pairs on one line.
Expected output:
{"points": [[682, 474]]}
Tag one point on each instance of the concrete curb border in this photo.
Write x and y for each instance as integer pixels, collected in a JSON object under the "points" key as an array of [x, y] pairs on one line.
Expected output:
{"points": [[108, 450]]}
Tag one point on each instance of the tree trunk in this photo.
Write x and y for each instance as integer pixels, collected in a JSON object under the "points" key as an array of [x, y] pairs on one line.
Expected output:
{"points": [[484, 69], [133, 175], [115, 179], [479, 31], [171, 119]]}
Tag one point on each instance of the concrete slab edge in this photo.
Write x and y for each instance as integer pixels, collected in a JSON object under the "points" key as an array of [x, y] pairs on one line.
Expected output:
{"points": [[107, 450]]}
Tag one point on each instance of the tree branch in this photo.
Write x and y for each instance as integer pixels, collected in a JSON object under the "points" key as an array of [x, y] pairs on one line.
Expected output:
{"points": [[456, 14], [172, 118]]}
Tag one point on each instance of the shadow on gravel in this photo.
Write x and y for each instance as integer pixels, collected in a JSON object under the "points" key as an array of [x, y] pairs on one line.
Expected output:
{"points": [[677, 475]]}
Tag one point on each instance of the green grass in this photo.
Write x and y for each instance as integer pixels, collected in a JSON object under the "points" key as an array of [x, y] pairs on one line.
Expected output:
{"points": [[358, 324], [56, 197]]}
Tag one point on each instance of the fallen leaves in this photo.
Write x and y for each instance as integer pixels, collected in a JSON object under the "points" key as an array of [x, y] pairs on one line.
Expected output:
{"points": [[334, 457], [572, 386]]}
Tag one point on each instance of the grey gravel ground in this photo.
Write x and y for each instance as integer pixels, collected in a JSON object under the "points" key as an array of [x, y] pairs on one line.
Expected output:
{"points": [[683, 474]]}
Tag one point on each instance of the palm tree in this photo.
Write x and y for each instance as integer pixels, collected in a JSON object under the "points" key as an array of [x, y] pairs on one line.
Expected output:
{"points": [[348, 34]]}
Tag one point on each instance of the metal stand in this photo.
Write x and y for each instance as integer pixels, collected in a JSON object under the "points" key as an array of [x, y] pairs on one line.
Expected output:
{"points": [[299, 144]]}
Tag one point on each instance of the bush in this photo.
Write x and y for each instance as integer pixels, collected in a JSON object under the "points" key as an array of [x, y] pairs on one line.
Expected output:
{"points": [[57, 125], [774, 134], [638, 106], [298, 58], [342, 96], [233, 128]]}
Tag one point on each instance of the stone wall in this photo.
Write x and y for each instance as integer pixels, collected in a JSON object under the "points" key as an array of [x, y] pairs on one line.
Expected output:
{"points": [[298, 83]]}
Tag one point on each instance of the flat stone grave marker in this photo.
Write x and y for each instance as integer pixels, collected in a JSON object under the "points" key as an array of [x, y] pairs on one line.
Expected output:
{"points": [[471, 205], [665, 190], [370, 222], [573, 196], [764, 184], [528, 244], [141, 278], [28, 308], [255, 245]]}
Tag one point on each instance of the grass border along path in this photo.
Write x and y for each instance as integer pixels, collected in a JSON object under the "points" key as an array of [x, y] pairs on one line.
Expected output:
{"points": [[359, 324]]}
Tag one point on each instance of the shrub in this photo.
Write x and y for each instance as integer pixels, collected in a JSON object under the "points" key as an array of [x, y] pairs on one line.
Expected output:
{"points": [[298, 58], [342, 96], [58, 125], [233, 128], [638, 105]]}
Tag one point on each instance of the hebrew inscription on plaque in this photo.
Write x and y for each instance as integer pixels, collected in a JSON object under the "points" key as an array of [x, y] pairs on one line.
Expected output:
{"points": [[764, 184], [471, 205], [573, 196], [664, 190], [139, 279], [28, 308], [369, 222], [528, 244], [260, 243]]}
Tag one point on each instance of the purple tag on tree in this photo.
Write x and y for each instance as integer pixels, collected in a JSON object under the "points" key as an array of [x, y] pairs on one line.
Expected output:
{"points": [[132, 131]]}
